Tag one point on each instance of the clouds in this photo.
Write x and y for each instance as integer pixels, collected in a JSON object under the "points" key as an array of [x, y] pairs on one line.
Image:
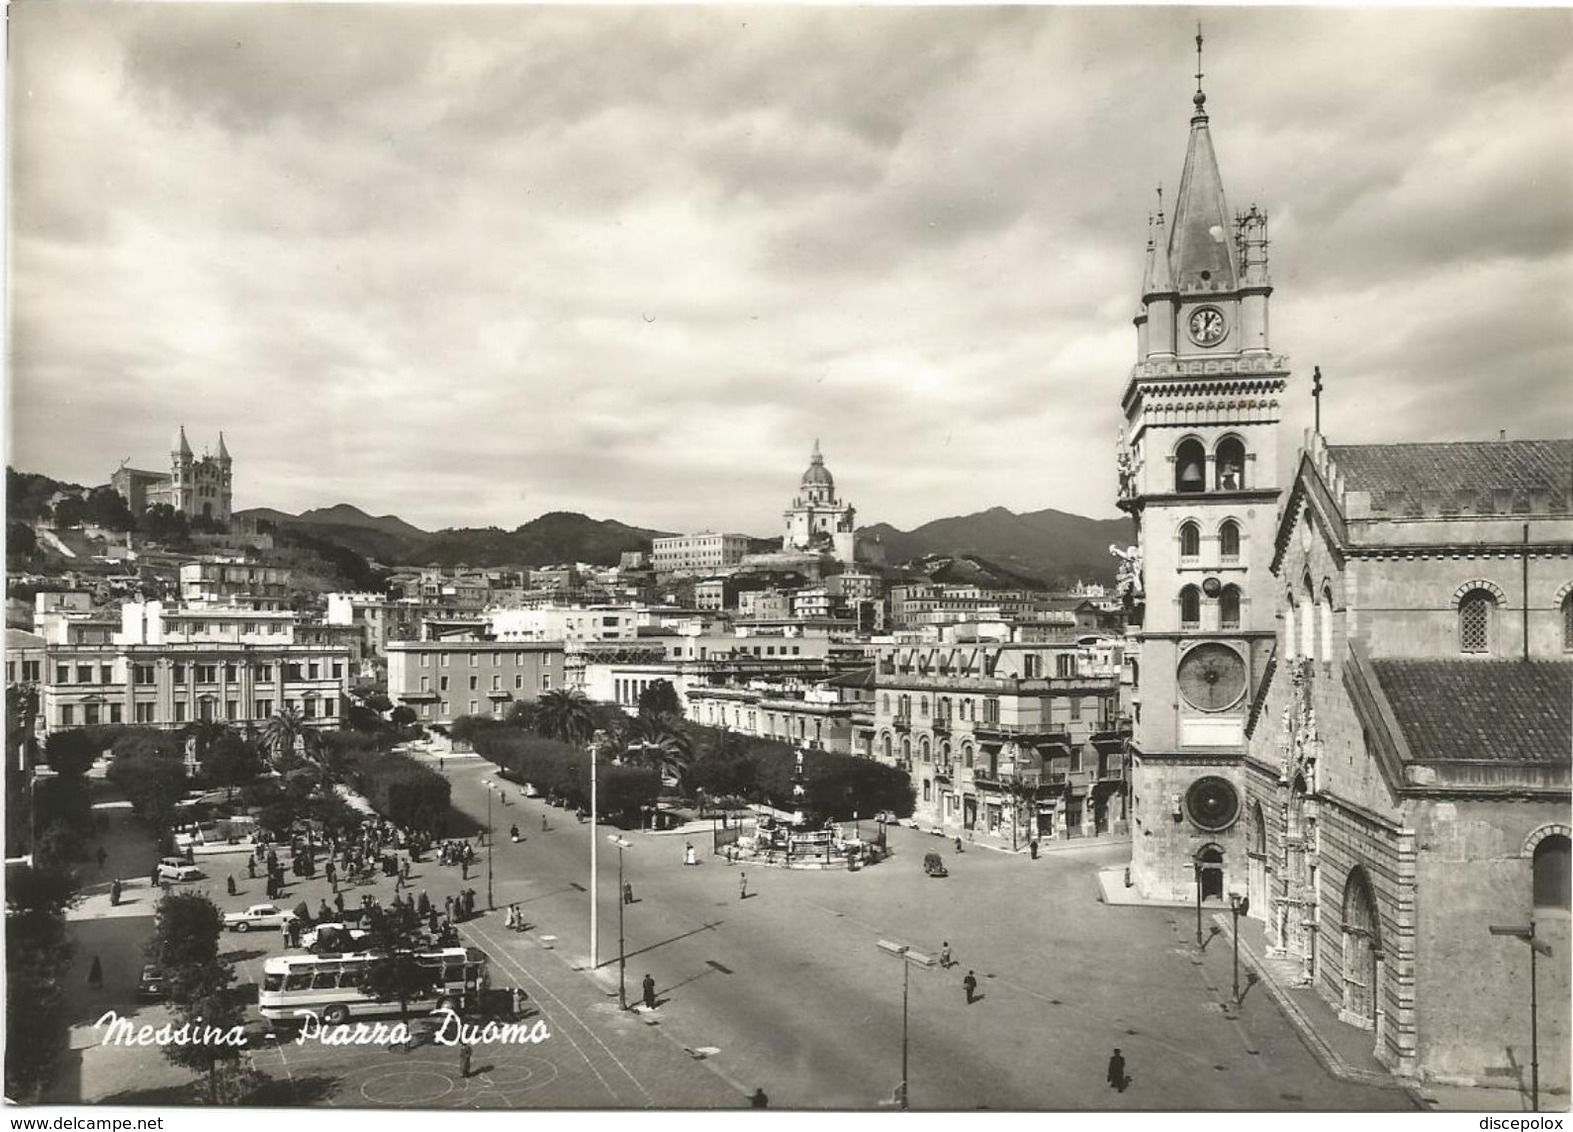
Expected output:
{"points": [[471, 264]]}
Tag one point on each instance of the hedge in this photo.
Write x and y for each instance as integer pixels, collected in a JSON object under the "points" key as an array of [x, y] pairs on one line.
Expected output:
{"points": [[400, 789], [562, 769]]}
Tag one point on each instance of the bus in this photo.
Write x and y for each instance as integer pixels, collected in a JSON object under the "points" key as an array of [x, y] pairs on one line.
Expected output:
{"points": [[333, 987]]}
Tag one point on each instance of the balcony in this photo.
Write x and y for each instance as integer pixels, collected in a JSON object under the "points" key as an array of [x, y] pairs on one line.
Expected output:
{"points": [[901, 722], [941, 725]]}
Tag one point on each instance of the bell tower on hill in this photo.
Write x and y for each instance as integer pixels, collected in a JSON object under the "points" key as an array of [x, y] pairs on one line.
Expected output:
{"points": [[1198, 463]]}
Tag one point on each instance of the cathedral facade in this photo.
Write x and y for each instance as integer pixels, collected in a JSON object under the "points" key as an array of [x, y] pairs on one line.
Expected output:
{"points": [[198, 488], [817, 520]]}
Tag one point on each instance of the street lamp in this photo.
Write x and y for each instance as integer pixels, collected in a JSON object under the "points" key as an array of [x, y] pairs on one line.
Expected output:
{"points": [[595, 870], [1536, 947], [490, 786], [1238, 906], [1196, 866], [622, 899], [908, 958]]}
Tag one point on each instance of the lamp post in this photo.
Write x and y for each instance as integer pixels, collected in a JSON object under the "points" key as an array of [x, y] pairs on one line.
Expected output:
{"points": [[1196, 866], [595, 860], [1536, 947], [1238, 906], [490, 785], [908, 958], [622, 962]]}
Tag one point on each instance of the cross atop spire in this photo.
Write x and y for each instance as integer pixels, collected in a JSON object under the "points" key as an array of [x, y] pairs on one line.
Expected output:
{"points": [[1200, 97]]}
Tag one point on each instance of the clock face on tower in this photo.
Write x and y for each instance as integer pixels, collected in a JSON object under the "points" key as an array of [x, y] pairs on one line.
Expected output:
{"points": [[1212, 677], [1207, 326]]}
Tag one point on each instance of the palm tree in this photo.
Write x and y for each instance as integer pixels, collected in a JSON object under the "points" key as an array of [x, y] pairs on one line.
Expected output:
{"points": [[661, 743], [283, 733], [565, 715]]}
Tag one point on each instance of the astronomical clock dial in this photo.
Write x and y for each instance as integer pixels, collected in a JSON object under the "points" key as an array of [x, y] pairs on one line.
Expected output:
{"points": [[1207, 326], [1212, 677], [1212, 803]]}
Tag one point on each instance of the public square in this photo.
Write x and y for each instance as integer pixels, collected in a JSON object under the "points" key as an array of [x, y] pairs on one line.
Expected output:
{"points": [[787, 992]]}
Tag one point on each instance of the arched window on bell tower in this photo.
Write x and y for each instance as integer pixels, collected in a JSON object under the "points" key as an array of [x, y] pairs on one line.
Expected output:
{"points": [[1190, 608], [1229, 540], [1190, 541], [1229, 461], [1190, 466]]}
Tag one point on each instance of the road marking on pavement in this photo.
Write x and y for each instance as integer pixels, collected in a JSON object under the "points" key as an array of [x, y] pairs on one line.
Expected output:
{"points": [[510, 961]]}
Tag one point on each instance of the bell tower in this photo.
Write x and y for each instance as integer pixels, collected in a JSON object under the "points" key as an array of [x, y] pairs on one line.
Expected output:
{"points": [[1198, 463]]}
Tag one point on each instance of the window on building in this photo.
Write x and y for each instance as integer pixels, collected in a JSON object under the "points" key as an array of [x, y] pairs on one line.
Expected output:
{"points": [[991, 709], [67, 715], [263, 709], [1190, 540], [1229, 540], [442, 683], [475, 660], [1075, 706], [475, 682], [1476, 613], [229, 673], [84, 674], [308, 709], [30, 670], [231, 709], [141, 673], [313, 671], [265, 673], [474, 707], [445, 658], [1230, 464], [90, 714], [1551, 877], [180, 712], [1190, 466], [106, 674], [1229, 607], [1190, 608]]}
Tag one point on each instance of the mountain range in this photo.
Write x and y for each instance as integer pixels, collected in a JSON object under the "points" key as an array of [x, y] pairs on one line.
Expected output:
{"points": [[996, 547]]}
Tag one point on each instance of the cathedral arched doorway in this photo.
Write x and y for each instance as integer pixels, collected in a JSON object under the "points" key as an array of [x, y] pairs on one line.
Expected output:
{"points": [[1362, 951], [207, 511], [1209, 872]]}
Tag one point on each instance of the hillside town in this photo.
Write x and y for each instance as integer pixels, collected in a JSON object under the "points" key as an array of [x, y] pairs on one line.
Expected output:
{"points": [[1272, 801]]}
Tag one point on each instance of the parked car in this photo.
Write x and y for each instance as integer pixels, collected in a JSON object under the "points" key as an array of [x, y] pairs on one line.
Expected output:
{"points": [[258, 916], [150, 987], [332, 937], [934, 865], [175, 868]]}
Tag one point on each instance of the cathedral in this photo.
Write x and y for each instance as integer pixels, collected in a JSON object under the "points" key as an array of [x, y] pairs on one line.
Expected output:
{"points": [[197, 488], [1352, 697], [817, 521]]}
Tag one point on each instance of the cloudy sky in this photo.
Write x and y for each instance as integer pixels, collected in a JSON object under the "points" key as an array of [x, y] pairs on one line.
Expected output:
{"points": [[469, 265]]}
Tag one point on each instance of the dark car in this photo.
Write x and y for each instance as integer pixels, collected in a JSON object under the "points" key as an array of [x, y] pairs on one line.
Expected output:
{"points": [[934, 865], [150, 987]]}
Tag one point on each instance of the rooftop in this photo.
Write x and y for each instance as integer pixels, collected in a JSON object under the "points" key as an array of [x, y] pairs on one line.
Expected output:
{"points": [[1463, 475], [1510, 711]]}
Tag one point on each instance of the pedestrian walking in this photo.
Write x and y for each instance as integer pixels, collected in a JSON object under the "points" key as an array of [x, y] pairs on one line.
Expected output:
{"points": [[1117, 1079], [229, 885], [958, 845], [508, 920], [649, 992], [688, 854], [251, 868], [338, 902], [944, 955], [102, 856], [518, 918], [518, 1001], [513, 832], [742, 886], [628, 892], [464, 869], [1033, 845], [543, 823], [465, 1053], [114, 892], [441, 763], [970, 985]]}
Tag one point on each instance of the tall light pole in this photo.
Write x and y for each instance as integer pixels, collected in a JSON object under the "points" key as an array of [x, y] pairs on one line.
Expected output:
{"points": [[1536, 947], [595, 860], [489, 784], [1239, 906], [622, 899], [908, 958]]}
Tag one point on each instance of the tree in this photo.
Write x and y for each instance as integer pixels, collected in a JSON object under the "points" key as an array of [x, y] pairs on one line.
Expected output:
{"points": [[660, 743], [105, 507], [283, 732], [230, 761], [379, 702], [565, 715], [185, 947], [152, 784], [71, 753], [162, 523], [396, 976], [404, 716], [37, 959], [660, 698], [206, 1002], [20, 539]]}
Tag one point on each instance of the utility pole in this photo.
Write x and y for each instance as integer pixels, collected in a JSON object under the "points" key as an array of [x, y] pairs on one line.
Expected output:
{"points": [[622, 962], [908, 958], [595, 871]]}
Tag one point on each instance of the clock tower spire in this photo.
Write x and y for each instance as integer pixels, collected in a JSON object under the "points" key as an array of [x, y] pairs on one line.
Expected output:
{"points": [[1199, 475]]}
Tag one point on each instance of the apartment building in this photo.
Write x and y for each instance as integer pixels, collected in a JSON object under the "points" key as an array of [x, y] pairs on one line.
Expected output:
{"points": [[445, 679]]}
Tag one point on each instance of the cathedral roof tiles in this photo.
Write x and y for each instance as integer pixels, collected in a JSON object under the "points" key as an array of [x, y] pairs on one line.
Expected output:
{"points": [[1512, 711]]}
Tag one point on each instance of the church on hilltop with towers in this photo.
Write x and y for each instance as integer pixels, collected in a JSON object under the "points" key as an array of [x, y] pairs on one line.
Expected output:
{"points": [[196, 487]]}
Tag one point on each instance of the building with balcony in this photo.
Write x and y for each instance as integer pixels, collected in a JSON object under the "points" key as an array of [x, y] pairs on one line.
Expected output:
{"points": [[235, 582], [1004, 742], [443, 680], [172, 668]]}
